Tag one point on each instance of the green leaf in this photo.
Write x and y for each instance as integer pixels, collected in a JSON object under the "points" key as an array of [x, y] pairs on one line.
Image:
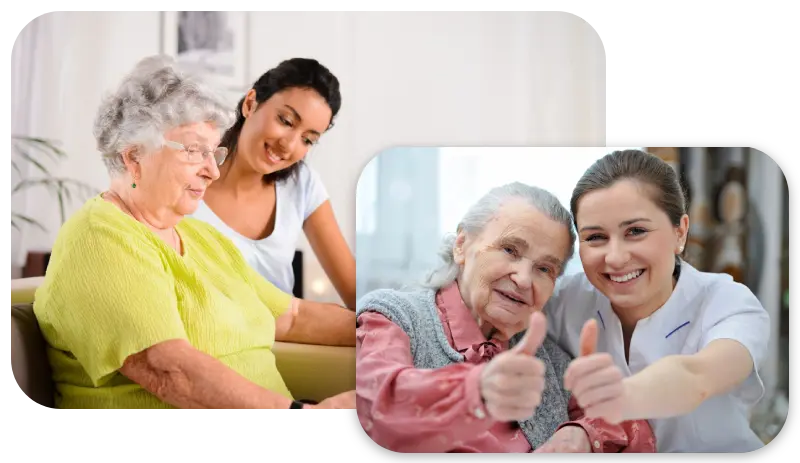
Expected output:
{"points": [[27, 157], [85, 187], [56, 183], [16, 167], [31, 150], [30, 183], [49, 147], [27, 220], [67, 192], [60, 195]]}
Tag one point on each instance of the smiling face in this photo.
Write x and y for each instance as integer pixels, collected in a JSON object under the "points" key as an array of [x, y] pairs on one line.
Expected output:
{"points": [[279, 132], [628, 246], [167, 178], [509, 269]]}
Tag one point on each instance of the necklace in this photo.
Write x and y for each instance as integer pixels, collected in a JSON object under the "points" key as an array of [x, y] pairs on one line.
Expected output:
{"points": [[176, 242]]}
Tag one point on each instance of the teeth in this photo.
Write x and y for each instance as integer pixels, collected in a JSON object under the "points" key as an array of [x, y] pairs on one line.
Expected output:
{"points": [[272, 156], [627, 277]]}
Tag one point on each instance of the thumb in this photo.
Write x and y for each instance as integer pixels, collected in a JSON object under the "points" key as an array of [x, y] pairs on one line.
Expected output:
{"points": [[589, 337], [537, 330]]}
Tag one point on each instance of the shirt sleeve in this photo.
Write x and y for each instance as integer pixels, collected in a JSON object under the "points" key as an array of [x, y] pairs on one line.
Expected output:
{"points": [[734, 312], [405, 409], [313, 190], [604, 437], [110, 296], [567, 309], [276, 300], [555, 312]]}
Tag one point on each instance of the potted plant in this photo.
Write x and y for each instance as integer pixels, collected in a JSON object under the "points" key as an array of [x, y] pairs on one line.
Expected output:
{"points": [[39, 153]]}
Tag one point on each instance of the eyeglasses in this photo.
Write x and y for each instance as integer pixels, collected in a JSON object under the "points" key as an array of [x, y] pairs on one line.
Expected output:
{"points": [[198, 154]]}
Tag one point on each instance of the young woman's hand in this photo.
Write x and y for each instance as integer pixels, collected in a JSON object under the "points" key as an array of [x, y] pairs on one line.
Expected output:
{"points": [[595, 380], [569, 439], [343, 400]]}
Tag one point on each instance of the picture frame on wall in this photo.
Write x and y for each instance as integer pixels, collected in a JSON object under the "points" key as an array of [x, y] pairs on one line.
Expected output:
{"points": [[211, 43]]}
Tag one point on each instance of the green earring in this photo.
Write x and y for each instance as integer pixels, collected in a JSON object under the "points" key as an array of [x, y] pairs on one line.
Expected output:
{"points": [[133, 185]]}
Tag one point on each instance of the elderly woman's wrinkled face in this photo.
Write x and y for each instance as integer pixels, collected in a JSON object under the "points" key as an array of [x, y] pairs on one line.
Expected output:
{"points": [[509, 269], [170, 178], [280, 131]]}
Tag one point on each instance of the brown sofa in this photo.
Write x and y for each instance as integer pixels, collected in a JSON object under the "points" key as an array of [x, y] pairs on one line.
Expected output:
{"points": [[310, 372]]}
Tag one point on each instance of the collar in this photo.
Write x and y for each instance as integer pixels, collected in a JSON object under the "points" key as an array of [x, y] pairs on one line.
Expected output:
{"points": [[670, 317], [464, 330]]}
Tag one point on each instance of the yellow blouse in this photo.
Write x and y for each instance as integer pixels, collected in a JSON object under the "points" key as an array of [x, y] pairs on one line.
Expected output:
{"points": [[113, 288]]}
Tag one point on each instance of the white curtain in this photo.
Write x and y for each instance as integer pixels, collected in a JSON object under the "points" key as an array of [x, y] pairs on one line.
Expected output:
{"points": [[21, 46], [34, 64], [62, 64], [461, 79]]}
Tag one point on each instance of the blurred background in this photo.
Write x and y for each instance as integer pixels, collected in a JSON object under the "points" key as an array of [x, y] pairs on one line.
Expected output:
{"points": [[409, 198], [452, 78]]}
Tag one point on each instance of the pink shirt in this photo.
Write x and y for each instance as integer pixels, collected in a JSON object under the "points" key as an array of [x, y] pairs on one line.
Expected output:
{"points": [[406, 409]]}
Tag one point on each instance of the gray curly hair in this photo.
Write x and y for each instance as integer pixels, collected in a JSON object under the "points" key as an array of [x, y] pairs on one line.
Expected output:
{"points": [[156, 96], [484, 210]]}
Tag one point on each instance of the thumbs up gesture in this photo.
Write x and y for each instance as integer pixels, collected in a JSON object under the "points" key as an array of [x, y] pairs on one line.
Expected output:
{"points": [[511, 384], [594, 379]]}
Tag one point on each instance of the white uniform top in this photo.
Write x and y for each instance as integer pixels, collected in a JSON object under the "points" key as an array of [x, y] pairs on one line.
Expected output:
{"points": [[703, 307], [296, 198]]}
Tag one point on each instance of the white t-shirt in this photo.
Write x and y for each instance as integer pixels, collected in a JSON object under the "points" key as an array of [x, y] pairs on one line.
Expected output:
{"points": [[296, 198], [703, 307]]}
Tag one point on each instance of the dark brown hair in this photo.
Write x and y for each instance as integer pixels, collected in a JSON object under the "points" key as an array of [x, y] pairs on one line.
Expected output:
{"points": [[648, 169], [292, 73]]}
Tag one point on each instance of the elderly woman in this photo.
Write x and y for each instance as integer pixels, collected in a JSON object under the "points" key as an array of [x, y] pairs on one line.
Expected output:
{"points": [[451, 367], [143, 308]]}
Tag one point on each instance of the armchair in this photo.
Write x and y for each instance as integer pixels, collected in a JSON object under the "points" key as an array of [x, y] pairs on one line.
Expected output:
{"points": [[310, 372]]}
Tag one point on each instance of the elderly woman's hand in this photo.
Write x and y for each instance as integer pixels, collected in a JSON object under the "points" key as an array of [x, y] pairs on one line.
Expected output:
{"points": [[511, 384]]}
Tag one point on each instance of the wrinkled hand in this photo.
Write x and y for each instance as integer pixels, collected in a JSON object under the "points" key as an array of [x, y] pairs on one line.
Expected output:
{"points": [[594, 379], [343, 400], [569, 439], [511, 383]]}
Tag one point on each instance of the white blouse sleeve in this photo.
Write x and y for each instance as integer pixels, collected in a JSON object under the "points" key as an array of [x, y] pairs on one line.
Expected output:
{"points": [[312, 190], [567, 310], [734, 312]]}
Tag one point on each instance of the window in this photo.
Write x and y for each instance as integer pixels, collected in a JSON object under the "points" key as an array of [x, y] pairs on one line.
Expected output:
{"points": [[466, 174], [409, 198], [366, 195]]}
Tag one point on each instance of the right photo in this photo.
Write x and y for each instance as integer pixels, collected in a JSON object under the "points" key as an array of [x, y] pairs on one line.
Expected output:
{"points": [[572, 300]]}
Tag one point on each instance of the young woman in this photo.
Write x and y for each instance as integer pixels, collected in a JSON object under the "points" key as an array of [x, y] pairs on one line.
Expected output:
{"points": [[266, 195], [689, 342], [462, 364]]}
